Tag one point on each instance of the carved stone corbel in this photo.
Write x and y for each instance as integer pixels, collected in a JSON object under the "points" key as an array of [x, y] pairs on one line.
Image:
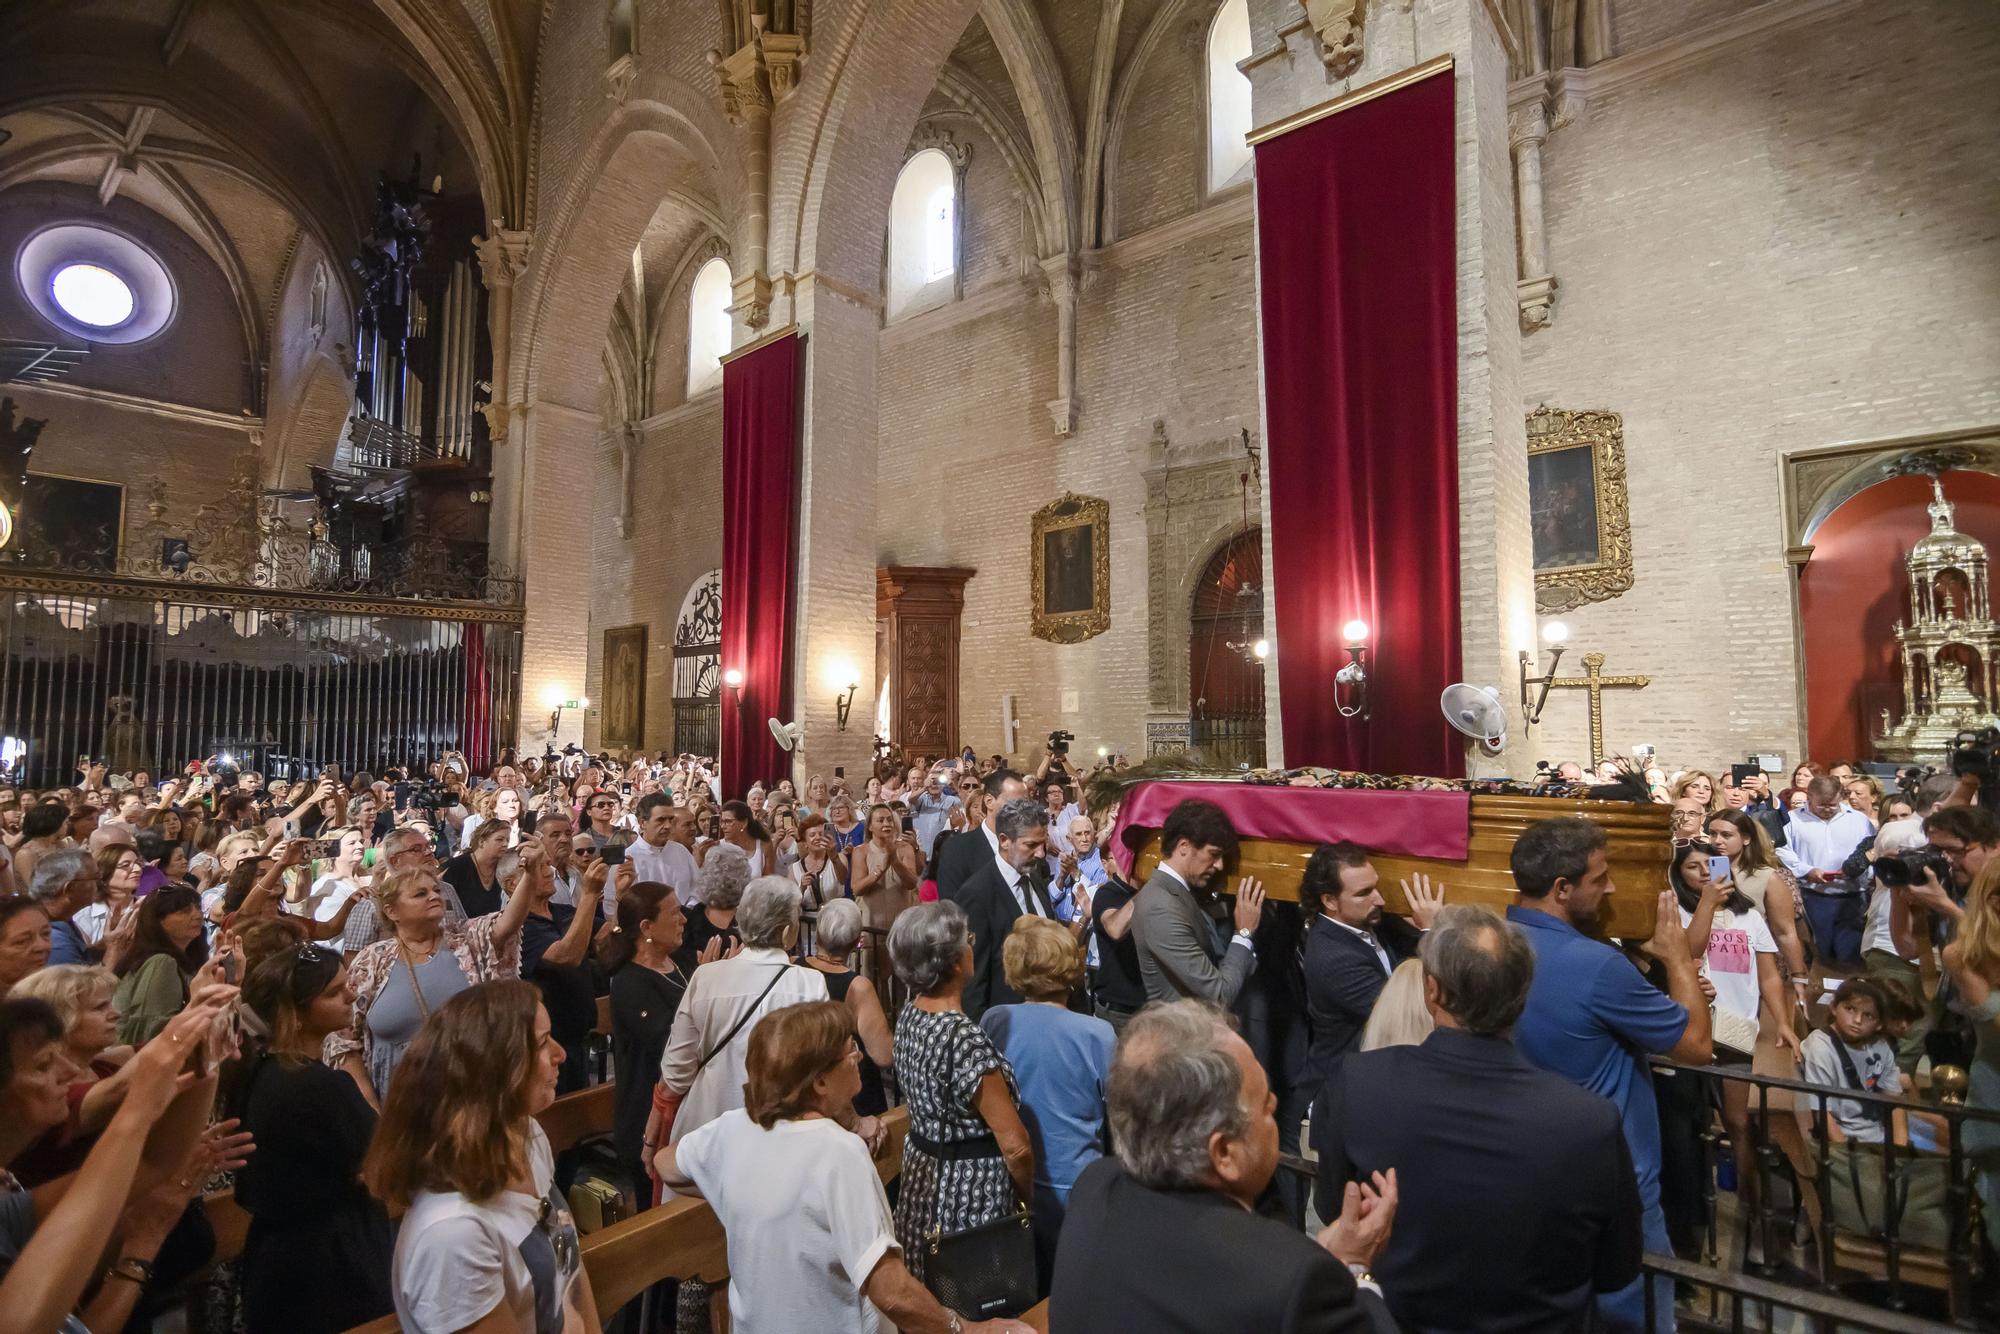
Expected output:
{"points": [[1338, 25], [628, 453], [1535, 286], [503, 257], [1063, 279]]}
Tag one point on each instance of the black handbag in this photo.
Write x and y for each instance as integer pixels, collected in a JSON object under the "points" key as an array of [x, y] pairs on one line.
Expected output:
{"points": [[987, 1271], [984, 1272]]}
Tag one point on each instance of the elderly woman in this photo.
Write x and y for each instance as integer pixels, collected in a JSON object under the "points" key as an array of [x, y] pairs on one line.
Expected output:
{"points": [[1061, 1060], [843, 824], [968, 1159], [401, 980], [701, 1074], [486, 1241], [702, 1071], [837, 934], [81, 996], [812, 1245], [711, 924], [316, 1259]]}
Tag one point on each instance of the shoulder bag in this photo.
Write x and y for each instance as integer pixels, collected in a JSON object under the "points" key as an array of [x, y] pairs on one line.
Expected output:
{"points": [[987, 1271]]}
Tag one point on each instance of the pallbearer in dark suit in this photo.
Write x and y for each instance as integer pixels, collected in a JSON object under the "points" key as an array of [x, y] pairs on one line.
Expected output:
{"points": [[1352, 945], [977, 848], [1518, 1200], [1002, 891]]}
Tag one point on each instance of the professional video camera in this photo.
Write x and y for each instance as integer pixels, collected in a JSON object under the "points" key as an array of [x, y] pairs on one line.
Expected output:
{"points": [[1059, 742], [1974, 752]]}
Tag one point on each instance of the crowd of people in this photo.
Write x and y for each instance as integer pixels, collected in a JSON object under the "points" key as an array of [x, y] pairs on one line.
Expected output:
{"points": [[351, 996]]}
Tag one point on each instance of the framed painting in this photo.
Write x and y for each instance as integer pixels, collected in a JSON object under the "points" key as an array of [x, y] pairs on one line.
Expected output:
{"points": [[624, 724], [1070, 569], [1577, 507], [70, 523]]}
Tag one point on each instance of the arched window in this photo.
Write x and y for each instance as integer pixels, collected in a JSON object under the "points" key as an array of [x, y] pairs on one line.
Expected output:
{"points": [[1228, 96], [923, 234], [709, 327]]}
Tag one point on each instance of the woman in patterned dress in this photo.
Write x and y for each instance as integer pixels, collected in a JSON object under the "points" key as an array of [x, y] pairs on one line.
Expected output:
{"points": [[968, 1159]]}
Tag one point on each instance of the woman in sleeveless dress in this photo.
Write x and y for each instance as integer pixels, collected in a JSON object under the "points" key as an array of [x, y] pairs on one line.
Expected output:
{"points": [[885, 870], [839, 931]]}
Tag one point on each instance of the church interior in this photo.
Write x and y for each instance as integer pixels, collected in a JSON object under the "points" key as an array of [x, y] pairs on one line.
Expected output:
{"points": [[1213, 383]]}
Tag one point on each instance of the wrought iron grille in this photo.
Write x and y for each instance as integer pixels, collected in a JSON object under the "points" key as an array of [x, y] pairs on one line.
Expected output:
{"points": [[141, 679]]}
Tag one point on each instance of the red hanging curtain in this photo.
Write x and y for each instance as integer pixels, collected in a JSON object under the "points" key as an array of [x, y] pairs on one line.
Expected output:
{"points": [[477, 741], [760, 547], [1356, 230]]}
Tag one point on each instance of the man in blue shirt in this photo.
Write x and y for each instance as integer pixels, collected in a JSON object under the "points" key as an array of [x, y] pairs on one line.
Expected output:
{"points": [[1594, 1019], [64, 883]]}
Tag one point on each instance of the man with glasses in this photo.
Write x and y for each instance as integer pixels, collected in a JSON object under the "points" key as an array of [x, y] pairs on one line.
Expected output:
{"points": [[1818, 842], [600, 815], [405, 849], [66, 882]]}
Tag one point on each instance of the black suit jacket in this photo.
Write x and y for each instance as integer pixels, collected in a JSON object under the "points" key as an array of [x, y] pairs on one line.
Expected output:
{"points": [[1343, 977], [1132, 1259], [990, 910], [1518, 1199], [964, 855]]}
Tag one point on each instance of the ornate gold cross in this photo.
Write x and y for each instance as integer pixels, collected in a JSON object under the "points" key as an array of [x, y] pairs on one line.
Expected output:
{"points": [[1597, 683]]}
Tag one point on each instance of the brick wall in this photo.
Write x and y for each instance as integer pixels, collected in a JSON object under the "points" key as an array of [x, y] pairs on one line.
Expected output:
{"points": [[1790, 246]]}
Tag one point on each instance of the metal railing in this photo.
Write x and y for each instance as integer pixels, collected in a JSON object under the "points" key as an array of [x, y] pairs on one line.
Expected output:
{"points": [[1806, 1182]]}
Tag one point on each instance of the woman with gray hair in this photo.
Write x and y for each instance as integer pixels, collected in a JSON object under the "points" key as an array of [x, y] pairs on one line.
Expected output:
{"points": [[835, 936], [702, 1072], [968, 1159], [712, 931]]}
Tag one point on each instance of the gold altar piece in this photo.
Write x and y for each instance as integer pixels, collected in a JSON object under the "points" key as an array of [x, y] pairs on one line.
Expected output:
{"points": [[1949, 648], [1597, 683], [1640, 846]]}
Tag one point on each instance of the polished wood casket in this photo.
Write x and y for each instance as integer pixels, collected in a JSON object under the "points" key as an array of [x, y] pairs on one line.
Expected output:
{"points": [[1640, 851]]}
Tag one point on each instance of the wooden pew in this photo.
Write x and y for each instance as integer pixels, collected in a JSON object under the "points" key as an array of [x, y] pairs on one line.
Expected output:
{"points": [[569, 1119], [680, 1239]]}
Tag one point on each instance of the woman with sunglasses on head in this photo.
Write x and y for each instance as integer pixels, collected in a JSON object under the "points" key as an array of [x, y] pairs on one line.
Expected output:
{"points": [[486, 1242], [317, 1256], [1756, 871], [403, 979]]}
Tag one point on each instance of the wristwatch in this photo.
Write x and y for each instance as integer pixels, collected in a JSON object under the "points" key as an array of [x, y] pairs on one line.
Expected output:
{"points": [[1244, 938], [955, 1325]]}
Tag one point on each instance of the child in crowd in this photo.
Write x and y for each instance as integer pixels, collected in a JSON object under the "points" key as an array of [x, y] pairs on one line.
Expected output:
{"points": [[1852, 1053]]}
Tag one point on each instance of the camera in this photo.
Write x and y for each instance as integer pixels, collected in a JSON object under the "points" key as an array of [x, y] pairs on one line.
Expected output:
{"points": [[1904, 869], [1973, 755], [1059, 742]]}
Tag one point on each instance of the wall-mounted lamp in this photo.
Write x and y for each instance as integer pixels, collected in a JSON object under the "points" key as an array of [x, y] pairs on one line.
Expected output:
{"points": [[733, 678], [1556, 635], [842, 703], [555, 698], [1355, 674]]}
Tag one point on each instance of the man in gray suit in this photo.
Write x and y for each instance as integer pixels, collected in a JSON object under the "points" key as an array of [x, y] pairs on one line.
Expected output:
{"points": [[1183, 951]]}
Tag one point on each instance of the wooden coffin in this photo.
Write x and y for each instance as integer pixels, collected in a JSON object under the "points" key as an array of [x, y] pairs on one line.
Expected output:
{"points": [[1640, 851]]}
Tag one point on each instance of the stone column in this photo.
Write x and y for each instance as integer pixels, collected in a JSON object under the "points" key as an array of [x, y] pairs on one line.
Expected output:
{"points": [[503, 257], [554, 542], [1528, 130], [1062, 279]]}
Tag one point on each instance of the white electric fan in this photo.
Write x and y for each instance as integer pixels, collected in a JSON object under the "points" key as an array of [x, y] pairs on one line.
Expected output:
{"points": [[789, 735], [1476, 711]]}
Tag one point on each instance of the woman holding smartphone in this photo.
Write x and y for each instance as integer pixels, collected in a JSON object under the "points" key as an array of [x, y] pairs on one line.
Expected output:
{"points": [[886, 870]]}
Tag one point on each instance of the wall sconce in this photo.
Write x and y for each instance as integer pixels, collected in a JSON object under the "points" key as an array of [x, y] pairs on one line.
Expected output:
{"points": [[1355, 674], [733, 678], [842, 704], [1556, 635], [555, 697]]}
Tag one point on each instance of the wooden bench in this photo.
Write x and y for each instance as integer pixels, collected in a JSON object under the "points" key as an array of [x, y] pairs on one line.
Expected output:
{"points": [[679, 1239]]}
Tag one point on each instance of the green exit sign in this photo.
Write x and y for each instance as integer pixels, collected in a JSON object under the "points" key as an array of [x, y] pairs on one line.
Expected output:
{"points": [[572, 704]]}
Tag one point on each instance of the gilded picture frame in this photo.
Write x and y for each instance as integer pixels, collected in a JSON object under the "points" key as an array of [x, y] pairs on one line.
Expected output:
{"points": [[624, 722], [1578, 507], [1070, 569]]}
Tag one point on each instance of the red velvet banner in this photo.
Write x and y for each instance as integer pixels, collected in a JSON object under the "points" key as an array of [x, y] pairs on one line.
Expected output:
{"points": [[477, 741], [1356, 232], [760, 550]]}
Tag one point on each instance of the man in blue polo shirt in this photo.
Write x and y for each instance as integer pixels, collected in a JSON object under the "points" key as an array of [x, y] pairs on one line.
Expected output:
{"points": [[1593, 1018]]}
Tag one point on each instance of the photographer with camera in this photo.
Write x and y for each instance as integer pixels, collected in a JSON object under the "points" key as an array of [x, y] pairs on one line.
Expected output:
{"points": [[1818, 841]]}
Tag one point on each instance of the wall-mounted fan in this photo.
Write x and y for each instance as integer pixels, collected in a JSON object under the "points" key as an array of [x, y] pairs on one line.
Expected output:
{"points": [[1477, 712], [789, 735]]}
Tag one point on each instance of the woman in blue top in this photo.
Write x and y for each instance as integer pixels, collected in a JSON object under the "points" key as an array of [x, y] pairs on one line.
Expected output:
{"points": [[1061, 1060]]}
